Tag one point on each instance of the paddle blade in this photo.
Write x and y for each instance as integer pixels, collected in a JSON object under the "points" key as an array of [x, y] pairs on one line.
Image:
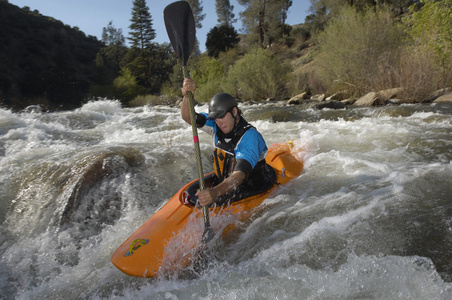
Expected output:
{"points": [[180, 26], [208, 234]]}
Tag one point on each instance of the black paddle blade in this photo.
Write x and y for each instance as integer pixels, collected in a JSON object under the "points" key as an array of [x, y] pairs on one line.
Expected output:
{"points": [[180, 26]]}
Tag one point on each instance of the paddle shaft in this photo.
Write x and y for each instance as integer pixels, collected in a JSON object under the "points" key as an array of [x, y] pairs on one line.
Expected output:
{"points": [[181, 29], [194, 129]]}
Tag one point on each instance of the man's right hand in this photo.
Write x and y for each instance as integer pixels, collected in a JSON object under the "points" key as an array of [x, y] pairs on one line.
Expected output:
{"points": [[188, 86]]}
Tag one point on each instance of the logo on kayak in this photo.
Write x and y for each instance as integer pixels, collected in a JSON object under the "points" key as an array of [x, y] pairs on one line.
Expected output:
{"points": [[135, 245]]}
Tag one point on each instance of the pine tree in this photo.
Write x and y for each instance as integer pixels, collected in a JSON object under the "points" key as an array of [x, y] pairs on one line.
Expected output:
{"points": [[221, 39], [196, 7], [109, 57], [265, 18], [141, 32], [112, 36], [225, 12]]}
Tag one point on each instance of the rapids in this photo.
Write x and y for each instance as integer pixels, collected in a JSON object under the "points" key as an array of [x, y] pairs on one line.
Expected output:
{"points": [[369, 218]]}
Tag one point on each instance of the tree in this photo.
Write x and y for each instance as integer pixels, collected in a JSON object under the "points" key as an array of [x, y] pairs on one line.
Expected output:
{"points": [[152, 66], [432, 26], [141, 32], [196, 7], [112, 36], [149, 63], [432, 30], [225, 12], [324, 10], [221, 39], [265, 19], [109, 57]]}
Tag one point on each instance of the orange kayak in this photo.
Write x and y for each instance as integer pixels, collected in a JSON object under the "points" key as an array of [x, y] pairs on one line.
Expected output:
{"points": [[168, 240]]}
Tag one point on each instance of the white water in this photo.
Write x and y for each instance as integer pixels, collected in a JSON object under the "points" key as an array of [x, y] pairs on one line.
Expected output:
{"points": [[369, 218]]}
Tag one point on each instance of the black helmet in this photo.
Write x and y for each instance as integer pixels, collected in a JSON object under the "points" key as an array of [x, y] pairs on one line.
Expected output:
{"points": [[220, 104]]}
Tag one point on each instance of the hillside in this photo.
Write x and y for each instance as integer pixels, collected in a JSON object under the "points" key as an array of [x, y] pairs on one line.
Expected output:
{"points": [[43, 61]]}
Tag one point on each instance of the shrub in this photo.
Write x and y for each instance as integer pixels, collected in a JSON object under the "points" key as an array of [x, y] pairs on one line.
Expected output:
{"points": [[208, 74], [417, 75], [126, 85], [257, 76], [229, 58], [359, 49], [431, 30]]}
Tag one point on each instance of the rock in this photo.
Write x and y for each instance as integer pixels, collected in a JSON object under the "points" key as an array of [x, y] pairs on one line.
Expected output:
{"points": [[370, 99], [318, 97], [309, 104], [390, 93], [293, 101], [298, 98], [367, 100], [440, 93], [444, 98], [336, 96], [349, 101]]}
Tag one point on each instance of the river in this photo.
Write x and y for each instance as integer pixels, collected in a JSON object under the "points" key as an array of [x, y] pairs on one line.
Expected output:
{"points": [[369, 218]]}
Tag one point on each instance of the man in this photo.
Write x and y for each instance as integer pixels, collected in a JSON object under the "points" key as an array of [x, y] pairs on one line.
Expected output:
{"points": [[240, 150]]}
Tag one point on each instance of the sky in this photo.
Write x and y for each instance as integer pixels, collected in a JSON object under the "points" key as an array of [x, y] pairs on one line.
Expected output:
{"points": [[91, 16]]}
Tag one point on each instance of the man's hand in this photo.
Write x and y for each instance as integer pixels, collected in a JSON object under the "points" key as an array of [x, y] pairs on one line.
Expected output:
{"points": [[207, 197], [188, 86]]}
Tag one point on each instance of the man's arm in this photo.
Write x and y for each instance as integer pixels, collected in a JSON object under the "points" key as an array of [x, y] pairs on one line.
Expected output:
{"points": [[200, 119], [185, 109], [209, 195]]}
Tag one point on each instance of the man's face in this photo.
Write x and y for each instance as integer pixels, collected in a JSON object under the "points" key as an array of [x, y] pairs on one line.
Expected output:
{"points": [[227, 122]]}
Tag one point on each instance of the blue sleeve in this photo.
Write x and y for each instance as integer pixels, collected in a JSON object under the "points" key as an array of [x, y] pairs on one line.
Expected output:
{"points": [[209, 122], [251, 147]]}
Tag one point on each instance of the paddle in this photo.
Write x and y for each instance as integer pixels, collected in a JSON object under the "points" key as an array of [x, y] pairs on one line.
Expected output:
{"points": [[180, 26]]}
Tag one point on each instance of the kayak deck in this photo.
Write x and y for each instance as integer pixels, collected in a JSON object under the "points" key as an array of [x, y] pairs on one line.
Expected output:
{"points": [[167, 241]]}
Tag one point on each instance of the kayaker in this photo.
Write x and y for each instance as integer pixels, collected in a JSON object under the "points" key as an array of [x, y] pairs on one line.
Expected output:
{"points": [[239, 154]]}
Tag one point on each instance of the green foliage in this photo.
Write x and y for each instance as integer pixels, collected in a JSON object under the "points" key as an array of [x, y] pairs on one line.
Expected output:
{"points": [[197, 8], [300, 34], [150, 66], [229, 58], [112, 36], [109, 58], [432, 28], [257, 76], [264, 20], [43, 61], [221, 39], [141, 32], [225, 15], [358, 50], [126, 85], [208, 75]]}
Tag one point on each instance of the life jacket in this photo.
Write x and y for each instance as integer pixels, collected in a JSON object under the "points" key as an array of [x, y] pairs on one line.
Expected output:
{"points": [[224, 160]]}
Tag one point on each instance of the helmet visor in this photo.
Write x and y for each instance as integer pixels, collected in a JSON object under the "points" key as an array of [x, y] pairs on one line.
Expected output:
{"points": [[216, 114]]}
